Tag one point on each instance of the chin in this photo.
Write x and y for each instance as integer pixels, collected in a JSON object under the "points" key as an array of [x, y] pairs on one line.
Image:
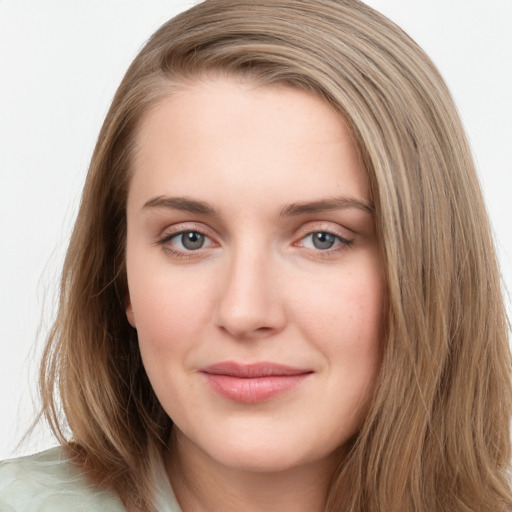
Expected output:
{"points": [[260, 453], [261, 461]]}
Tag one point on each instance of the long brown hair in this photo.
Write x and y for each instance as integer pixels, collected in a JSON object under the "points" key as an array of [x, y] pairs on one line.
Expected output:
{"points": [[436, 437]]}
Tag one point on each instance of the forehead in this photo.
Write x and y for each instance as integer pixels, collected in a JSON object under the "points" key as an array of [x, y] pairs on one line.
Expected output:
{"points": [[232, 135]]}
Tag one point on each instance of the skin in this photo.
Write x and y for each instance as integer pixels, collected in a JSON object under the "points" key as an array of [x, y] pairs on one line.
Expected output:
{"points": [[258, 289]]}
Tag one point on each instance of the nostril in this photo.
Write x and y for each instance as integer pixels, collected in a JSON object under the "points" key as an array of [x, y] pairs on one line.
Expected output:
{"points": [[246, 332]]}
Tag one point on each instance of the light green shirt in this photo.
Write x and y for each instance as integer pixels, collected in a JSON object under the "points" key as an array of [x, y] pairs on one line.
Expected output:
{"points": [[49, 482]]}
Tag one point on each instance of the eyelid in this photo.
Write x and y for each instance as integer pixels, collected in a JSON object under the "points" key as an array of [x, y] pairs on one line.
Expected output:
{"points": [[342, 241], [342, 244], [344, 236], [183, 227], [181, 233], [175, 230], [325, 227]]}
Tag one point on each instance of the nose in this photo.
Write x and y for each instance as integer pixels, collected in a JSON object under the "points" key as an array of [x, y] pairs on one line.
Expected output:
{"points": [[250, 303]]}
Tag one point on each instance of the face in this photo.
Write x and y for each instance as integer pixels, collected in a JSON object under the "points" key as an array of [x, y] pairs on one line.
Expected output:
{"points": [[254, 274]]}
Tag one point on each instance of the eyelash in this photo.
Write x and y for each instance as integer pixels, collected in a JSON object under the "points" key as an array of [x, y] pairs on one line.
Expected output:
{"points": [[177, 253], [343, 243]]}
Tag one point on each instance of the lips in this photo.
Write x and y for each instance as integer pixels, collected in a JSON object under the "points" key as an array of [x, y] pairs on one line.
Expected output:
{"points": [[252, 383]]}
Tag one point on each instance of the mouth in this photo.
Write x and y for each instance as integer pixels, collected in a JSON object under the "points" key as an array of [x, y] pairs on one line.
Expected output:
{"points": [[253, 383]]}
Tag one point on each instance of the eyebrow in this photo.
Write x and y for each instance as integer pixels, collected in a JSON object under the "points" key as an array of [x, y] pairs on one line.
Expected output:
{"points": [[335, 203], [194, 206], [181, 203]]}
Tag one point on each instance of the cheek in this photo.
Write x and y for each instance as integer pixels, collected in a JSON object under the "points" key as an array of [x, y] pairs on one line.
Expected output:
{"points": [[343, 318], [345, 308], [170, 314], [360, 349], [361, 324], [169, 308]]}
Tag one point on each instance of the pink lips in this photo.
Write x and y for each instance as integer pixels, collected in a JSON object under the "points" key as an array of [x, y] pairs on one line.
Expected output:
{"points": [[251, 383]]}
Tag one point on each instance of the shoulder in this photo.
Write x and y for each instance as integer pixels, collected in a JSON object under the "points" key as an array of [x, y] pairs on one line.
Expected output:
{"points": [[50, 482]]}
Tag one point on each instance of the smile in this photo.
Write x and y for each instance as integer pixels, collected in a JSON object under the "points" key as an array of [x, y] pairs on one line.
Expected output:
{"points": [[252, 383]]}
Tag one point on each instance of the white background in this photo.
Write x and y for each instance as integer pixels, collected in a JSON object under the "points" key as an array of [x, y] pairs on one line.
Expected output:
{"points": [[60, 63]]}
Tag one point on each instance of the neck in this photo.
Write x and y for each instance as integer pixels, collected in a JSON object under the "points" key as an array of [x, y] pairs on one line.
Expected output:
{"points": [[201, 484]]}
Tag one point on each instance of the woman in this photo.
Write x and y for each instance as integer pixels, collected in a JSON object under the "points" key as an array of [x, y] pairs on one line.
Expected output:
{"points": [[281, 291]]}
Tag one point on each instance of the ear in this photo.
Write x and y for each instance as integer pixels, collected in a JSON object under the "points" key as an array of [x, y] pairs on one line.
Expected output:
{"points": [[129, 311]]}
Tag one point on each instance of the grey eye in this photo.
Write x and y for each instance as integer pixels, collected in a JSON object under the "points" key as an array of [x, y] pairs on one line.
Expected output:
{"points": [[191, 240], [322, 240]]}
